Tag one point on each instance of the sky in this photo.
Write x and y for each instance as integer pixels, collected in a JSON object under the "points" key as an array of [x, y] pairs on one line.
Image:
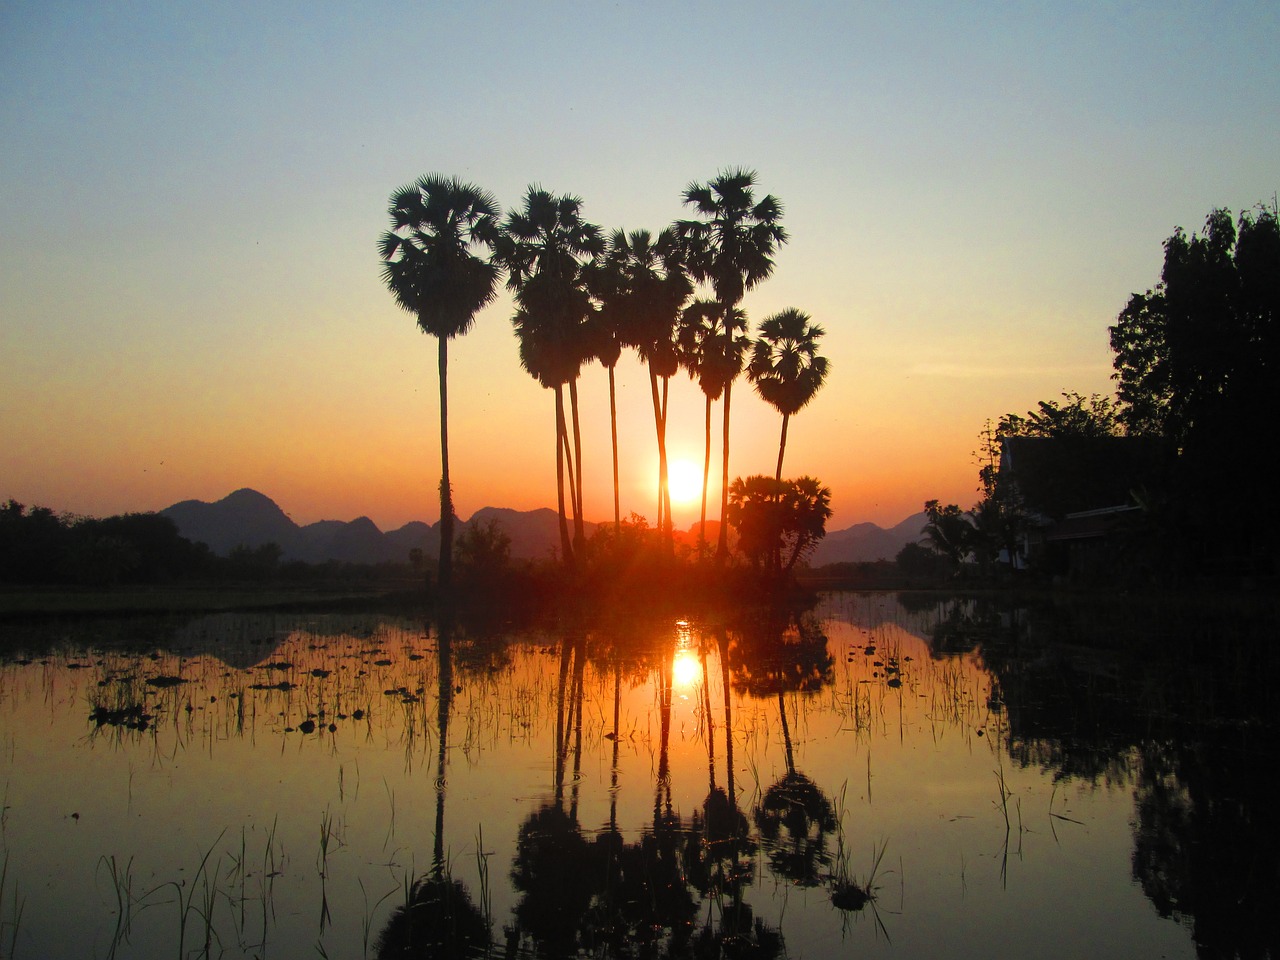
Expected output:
{"points": [[191, 196]]}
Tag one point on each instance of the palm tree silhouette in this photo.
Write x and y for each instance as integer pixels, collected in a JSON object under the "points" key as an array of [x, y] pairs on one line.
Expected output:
{"points": [[785, 366], [429, 266], [780, 651], [643, 289], [546, 248], [731, 248], [605, 338], [439, 918], [711, 344]]}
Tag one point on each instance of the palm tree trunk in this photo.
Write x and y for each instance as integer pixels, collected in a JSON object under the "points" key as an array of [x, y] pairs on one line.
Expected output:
{"points": [[573, 486], [722, 648], [782, 446], [579, 672], [711, 726], [444, 652], [445, 572], [722, 541], [667, 536], [613, 426], [566, 548], [706, 478], [786, 734], [579, 538], [562, 719], [659, 426]]}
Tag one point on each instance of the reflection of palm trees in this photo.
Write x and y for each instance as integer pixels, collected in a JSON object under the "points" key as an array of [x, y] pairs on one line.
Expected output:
{"points": [[438, 919], [551, 868], [723, 826], [780, 652]]}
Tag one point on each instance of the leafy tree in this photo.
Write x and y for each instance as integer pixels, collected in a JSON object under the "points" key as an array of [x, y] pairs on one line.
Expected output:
{"points": [[33, 544], [431, 269], [484, 549], [916, 560], [1080, 416], [547, 248], [1199, 350], [948, 531], [785, 366], [731, 247], [1196, 359], [778, 519], [261, 561]]}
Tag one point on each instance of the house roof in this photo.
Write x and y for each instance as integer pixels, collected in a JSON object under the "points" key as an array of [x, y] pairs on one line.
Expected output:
{"points": [[1061, 475]]}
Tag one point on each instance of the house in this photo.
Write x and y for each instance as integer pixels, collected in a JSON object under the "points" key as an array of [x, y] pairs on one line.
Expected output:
{"points": [[1077, 497]]}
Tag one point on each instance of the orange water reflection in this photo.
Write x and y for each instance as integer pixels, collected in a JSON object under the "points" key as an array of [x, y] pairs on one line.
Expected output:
{"points": [[736, 774]]}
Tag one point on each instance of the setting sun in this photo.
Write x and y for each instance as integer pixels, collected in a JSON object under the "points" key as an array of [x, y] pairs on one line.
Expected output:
{"points": [[685, 479]]}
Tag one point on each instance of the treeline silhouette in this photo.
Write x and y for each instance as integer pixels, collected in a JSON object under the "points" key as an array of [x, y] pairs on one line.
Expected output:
{"points": [[1186, 440], [41, 547]]}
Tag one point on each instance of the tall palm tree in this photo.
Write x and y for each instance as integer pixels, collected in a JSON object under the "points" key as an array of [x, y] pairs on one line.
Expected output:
{"points": [[730, 247], [546, 248], [605, 339], [646, 288], [711, 345], [431, 269], [785, 366]]}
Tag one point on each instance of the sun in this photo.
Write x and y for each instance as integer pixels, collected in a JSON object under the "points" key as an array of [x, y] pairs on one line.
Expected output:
{"points": [[685, 481]]}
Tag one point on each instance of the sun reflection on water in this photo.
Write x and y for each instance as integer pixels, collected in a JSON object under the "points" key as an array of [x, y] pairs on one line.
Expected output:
{"points": [[686, 667]]}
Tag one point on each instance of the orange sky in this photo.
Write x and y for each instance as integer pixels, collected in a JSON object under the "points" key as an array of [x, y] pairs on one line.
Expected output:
{"points": [[190, 298]]}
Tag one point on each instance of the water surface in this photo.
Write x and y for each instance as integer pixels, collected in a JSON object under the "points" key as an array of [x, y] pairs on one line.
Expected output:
{"points": [[876, 777]]}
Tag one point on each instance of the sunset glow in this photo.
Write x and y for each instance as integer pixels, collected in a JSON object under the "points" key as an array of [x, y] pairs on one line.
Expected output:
{"points": [[969, 201]]}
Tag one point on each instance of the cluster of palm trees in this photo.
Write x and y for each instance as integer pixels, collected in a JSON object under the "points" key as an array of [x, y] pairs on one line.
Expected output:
{"points": [[582, 296]]}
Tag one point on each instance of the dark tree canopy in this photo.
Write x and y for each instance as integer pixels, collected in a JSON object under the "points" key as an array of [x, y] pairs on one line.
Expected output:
{"points": [[1078, 416], [1196, 359], [1196, 353]]}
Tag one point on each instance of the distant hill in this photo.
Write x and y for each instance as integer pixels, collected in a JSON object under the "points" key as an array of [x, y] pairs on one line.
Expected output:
{"points": [[867, 541], [247, 517], [251, 519], [534, 533]]}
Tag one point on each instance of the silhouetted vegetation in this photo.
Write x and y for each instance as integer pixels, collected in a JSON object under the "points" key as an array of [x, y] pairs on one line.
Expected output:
{"points": [[430, 269], [1163, 483], [38, 546]]}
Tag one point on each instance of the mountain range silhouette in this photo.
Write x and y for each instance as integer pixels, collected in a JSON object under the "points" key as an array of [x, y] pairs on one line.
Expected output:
{"points": [[249, 518]]}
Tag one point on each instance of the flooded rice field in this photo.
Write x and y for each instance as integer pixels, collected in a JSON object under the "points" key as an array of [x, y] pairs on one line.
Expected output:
{"points": [[878, 776]]}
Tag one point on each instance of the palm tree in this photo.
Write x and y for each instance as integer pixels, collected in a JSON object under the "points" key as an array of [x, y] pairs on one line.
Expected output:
{"points": [[429, 266], [645, 288], [785, 366], [605, 338], [546, 248], [949, 532], [711, 345], [731, 247]]}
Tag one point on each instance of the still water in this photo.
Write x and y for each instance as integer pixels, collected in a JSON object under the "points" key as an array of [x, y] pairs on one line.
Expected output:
{"points": [[874, 777]]}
